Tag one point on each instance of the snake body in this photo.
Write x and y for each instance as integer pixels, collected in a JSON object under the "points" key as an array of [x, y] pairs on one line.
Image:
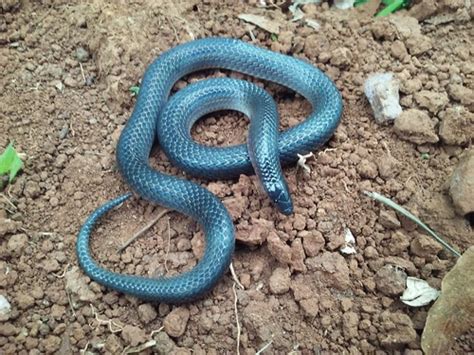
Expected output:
{"points": [[169, 120]]}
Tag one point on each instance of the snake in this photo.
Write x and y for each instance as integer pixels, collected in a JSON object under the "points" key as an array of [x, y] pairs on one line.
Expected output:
{"points": [[165, 119]]}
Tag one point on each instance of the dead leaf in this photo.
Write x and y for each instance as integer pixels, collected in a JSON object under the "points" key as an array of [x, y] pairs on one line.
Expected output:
{"points": [[418, 293], [453, 312], [262, 22]]}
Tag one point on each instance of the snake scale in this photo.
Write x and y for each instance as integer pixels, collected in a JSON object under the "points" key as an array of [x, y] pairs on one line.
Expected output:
{"points": [[168, 120]]}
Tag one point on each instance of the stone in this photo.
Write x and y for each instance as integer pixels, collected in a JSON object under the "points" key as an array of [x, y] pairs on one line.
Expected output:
{"points": [[76, 284], [341, 57], [350, 324], [410, 86], [331, 269], [133, 335], [398, 50], [424, 9], [299, 222], [81, 54], [389, 219], [310, 306], [280, 281], [462, 94], [5, 309], [399, 242], [147, 313], [390, 280], [176, 321], [453, 312], [313, 243], [415, 126], [456, 126], [24, 301], [17, 244], [461, 184], [7, 226], [8, 329], [164, 344], [367, 169], [113, 344], [382, 91], [397, 330], [278, 248], [32, 189], [418, 44], [424, 246], [431, 100]]}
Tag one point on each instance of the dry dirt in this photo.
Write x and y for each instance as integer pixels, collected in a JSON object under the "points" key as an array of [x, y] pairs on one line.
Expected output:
{"points": [[66, 69]]}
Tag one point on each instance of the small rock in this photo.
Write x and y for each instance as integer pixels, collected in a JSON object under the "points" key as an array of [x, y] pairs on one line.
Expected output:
{"points": [[50, 265], [236, 206], [280, 281], [32, 189], [424, 9], [310, 306], [5, 309], [415, 126], [313, 243], [350, 324], [77, 285], [341, 57], [24, 301], [397, 330], [17, 244], [176, 321], [297, 256], [278, 248], [399, 242], [257, 234], [398, 50], [462, 94], [424, 246], [133, 335], [331, 269], [390, 280], [456, 126], [389, 219], [147, 313], [461, 184], [418, 44], [411, 86], [367, 169], [164, 344], [433, 101], [81, 54], [387, 166], [382, 92], [8, 329], [113, 344], [299, 222], [7, 226]]}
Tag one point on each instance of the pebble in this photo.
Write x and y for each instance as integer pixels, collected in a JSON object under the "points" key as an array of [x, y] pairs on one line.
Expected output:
{"points": [[313, 243], [7, 226], [310, 306], [113, 344], [24, 301], [456, 126], [81, 54], [389, 219], [8, 329], [399, 242], [133, 335], [147, 313], [415, 126], [278, 248], [176, 321], [382, 91], [418, 44], [461, 184], [431, 100], [390, 280], [32, 189], [5, 309], [164, 344], [367, 169], [77, 286], [424, 246], [397, 330], [331, 269], [280, 281], [17, 244], [462, 94]]}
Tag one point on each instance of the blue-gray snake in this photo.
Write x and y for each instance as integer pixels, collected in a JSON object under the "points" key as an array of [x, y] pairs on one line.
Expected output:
{"points": [[157, 117]]}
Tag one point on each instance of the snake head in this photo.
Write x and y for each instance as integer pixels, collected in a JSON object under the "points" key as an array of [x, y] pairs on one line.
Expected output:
{"points": [[280, 195]]}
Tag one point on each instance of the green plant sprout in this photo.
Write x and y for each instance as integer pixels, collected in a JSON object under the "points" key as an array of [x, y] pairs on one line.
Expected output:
{"points": [[10, 163], [134, 90], [390, 6], [386, 201]]}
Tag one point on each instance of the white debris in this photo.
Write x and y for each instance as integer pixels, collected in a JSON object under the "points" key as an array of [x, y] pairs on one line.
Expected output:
{"points": [[418, 293], [295, 8], [313, 24], [349, 247], [302, 161], [5, 308], [344, 4], [262, 22], [382, 92]]}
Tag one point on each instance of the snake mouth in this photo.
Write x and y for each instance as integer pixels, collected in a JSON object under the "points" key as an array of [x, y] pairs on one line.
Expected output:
{"points": [[282, 199]]}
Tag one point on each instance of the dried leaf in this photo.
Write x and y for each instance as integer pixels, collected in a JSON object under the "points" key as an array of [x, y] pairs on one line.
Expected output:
{"points": [[349, 247], [262, 22], [418, 293]]}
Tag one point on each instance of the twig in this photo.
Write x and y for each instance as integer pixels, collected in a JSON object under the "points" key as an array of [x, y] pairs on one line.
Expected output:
{"points": [[236, 318], [153, 332], [108, 322], [264, 347], [386, 201], [234, 276], [8, 201], [60, 276], [141, 231], [70, 303], [83, 351], [82, 72]]}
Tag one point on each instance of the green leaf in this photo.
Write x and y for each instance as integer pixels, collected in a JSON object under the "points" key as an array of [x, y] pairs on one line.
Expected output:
{"points": [[10, 162], [274, 37], [134, 90]]}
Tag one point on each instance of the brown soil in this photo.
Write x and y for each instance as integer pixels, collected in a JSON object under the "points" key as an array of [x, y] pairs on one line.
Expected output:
{"points": [[66, 68]]}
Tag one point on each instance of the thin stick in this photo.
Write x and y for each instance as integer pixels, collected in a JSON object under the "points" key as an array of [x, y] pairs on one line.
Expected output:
{"points": [[264, 347], [234, 276], [141, 231], [82, 72], [386, 201], [236, 318]]}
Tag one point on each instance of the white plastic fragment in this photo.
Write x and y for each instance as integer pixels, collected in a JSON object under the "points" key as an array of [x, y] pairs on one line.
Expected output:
{"points": [[382, 92], [302, 161], [344, 4], [418, 293], [349, 246], [5, 308]]}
